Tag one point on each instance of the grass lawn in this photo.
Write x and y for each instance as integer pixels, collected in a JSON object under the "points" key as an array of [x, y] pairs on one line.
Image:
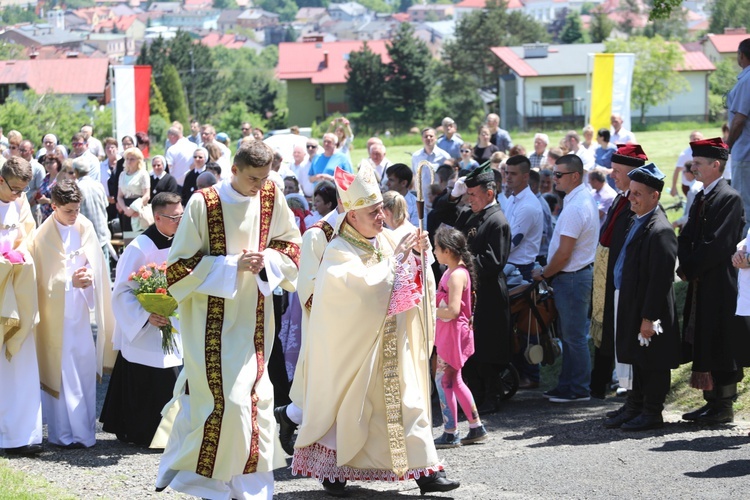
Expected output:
{"points": [[17, 485]]}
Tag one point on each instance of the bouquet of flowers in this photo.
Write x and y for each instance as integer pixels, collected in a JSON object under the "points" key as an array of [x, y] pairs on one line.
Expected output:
{"points": [[153, 296]]}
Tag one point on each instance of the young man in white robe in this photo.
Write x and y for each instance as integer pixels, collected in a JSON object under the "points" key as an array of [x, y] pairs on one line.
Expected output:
{"points": [[71, 283], [144, 375], [20, 399], [236, 243], [366, 379]]}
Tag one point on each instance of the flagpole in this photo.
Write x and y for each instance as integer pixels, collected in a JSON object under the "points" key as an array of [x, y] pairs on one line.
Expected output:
{"points": [[113, 101]]}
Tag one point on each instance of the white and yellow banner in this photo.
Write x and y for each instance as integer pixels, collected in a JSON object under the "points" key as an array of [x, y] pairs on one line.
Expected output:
{"points": [[611, 82]]}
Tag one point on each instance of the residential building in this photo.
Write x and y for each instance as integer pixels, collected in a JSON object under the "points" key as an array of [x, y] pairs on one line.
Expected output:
{"points": [[310, 15], [724, 46], [43, 35], [115, 45], [189, 19], [231, 41], [257, 19], [468, 6], [315, 74], [419, 13], [80, 79], [228, 19], [549, 84], [348, 11]]}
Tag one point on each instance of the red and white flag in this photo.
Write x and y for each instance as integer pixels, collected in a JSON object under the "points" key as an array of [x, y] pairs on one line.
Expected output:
{"points": [[132, 91]]}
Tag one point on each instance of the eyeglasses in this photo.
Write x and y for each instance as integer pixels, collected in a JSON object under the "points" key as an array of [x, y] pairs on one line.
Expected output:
{"points": [[245, 129], [18, 192], [78, 144], [12, 147], [558, 174], [173, 218], [466, 150]]}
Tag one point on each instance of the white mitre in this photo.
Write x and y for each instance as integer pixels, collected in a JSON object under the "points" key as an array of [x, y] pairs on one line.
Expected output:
{"points": [[357, 191]]}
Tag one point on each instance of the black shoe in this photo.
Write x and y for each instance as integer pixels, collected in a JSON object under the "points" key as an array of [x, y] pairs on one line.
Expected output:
{"points": [[335, 488], [715, 416], [286, 429], [597, 395], [620, 419], [491, 405], [25, 451], [617, 412], [643, 422], [693, 415], [436, 483], [475, 435]]}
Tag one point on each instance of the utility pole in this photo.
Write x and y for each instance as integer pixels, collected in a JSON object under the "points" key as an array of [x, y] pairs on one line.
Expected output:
{"points": [[192, 84]]}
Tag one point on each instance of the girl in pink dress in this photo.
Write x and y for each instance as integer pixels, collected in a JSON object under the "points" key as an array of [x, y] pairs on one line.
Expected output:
{"points": [[454, 339]]}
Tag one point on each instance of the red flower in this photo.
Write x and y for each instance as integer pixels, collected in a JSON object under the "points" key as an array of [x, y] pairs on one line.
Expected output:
{"points": [[162, 291], [132, 277], [146, 275]]}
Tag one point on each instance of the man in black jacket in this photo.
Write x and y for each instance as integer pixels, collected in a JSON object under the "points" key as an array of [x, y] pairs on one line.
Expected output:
{"points": [[647, 334], [715, 340], [488, 235]]}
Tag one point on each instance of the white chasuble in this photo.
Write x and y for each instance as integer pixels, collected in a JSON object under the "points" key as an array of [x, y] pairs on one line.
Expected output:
{"points": [[365, 412], [227, 428]]}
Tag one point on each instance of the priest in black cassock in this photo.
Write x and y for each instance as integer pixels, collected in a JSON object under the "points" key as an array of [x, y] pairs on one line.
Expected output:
{"points": [[144, 376], [488, 235], [715, 340], [646, 333]]}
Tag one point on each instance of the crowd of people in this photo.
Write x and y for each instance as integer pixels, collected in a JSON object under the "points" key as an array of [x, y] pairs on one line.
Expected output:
{"points": [[381, 279]]}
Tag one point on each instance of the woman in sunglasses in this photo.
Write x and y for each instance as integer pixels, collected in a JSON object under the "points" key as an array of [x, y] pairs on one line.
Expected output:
{"points": [[467, 163]]}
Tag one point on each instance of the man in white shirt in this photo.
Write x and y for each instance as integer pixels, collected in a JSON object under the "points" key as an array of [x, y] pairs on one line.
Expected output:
{"points": [[208, 135], [432, 154], [573, 143], [49, 142], [399, 180], [603, 194], [524, 214], [685, 156], [379, 163], [179, 155], [300, 168], [95, 145], [570, 262], [620, 135]]}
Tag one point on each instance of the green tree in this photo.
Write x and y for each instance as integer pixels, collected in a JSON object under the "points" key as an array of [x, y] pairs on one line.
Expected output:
{"points": [[366, 79], [313, 3], [457, 97], [601, 25], [225, 4], [196, 67], [672, 28], [286, 9], [404, 5], [409, 78], [156, 103], [380, 6], [572, 31], [724, 78], [655, 76], [662, 9], [14, 15], [174, 95], [11, 51], [469, 52], [729, 14]]}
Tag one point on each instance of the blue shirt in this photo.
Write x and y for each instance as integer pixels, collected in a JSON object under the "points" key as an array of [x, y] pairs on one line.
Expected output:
{"points": [[451, 146], [603, 156], [738, 101], [637, 223], [323, 164]]}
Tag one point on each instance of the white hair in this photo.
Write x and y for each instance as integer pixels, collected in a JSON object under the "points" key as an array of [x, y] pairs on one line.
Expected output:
{"points": [[543, 137]]}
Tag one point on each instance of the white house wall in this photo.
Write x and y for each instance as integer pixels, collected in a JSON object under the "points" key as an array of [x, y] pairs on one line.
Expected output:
{"points": [[690, 103], [534, 93]]}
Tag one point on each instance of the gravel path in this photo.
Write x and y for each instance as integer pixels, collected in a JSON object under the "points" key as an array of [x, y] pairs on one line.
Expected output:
{"points": [[536, 450]]}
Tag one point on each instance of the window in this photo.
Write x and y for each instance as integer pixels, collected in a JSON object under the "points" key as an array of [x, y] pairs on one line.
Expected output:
{"points": [[559, 96]]}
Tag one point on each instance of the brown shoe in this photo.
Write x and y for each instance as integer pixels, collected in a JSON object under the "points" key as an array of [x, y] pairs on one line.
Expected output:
{"points": [[528, 384]]}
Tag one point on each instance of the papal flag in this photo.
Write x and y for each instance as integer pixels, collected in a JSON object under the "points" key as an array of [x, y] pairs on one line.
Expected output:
{"points": [[611, 83], [132, 90]]}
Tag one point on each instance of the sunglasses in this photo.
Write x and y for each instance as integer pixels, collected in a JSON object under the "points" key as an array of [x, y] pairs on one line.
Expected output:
{"points": [[311, 146], [78, 144], [466, 150], [559, 175]]}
